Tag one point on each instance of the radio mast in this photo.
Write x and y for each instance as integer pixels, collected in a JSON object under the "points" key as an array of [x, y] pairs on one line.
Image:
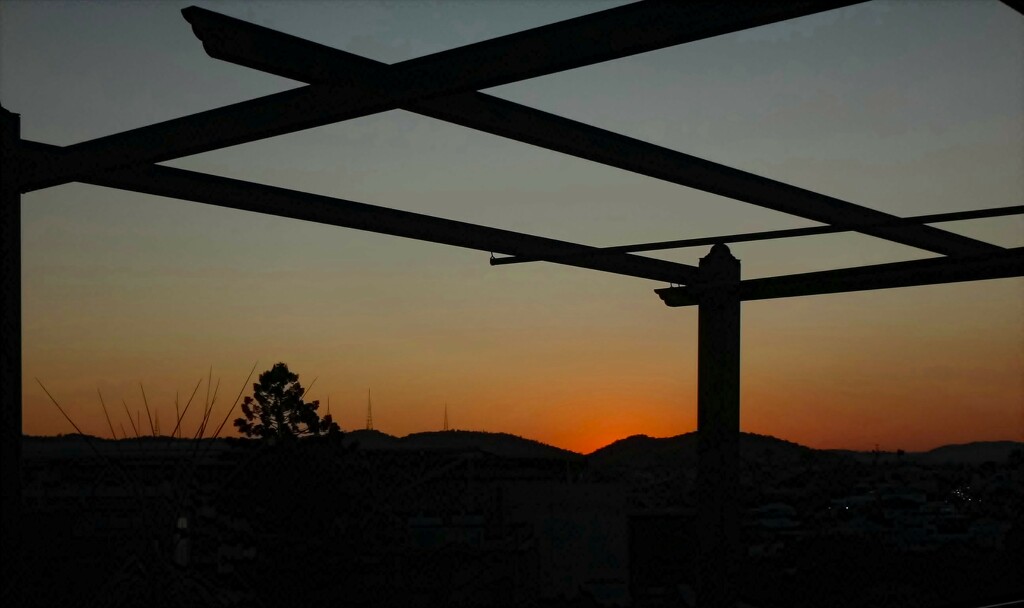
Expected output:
{"points": [[369, 411]]}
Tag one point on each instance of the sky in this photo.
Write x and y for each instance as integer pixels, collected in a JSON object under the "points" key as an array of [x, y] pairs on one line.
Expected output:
{"points": [[906, 107]]}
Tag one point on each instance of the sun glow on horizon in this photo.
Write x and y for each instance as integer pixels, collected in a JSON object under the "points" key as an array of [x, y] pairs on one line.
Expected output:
{"points": [[121, 289]]}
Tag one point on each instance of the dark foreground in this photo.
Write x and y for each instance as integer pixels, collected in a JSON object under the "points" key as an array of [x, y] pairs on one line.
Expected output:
{"points": [[472, 519]]}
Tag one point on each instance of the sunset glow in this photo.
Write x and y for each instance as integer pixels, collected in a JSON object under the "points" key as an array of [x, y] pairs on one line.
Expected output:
{"points": [[122, 289]]}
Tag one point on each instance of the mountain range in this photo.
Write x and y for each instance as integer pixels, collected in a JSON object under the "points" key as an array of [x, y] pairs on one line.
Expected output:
{"points": [[639, 450], [635, 451]]}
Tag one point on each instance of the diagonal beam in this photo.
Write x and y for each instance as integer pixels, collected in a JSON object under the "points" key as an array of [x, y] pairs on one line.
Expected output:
{"points": [[1017, 5], [631, 29], [237, 194], [601, 36], [935, 271], [766, 235], [285, 55]]}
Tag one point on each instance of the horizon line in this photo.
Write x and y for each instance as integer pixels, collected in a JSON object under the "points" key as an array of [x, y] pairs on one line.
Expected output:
{"points": [[363, 430]]}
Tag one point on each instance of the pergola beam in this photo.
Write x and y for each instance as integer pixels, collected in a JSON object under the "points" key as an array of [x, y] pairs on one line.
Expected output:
{"points": [[11, 350], [1017, 5], [935, 271], [573, 43], [718, 431], [259, 198], [268, 50], [442, 86], [766, 235]]}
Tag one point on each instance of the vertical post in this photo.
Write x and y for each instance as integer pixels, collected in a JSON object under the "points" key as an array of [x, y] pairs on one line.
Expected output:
{"points": [[718, 429], [10, 352]]}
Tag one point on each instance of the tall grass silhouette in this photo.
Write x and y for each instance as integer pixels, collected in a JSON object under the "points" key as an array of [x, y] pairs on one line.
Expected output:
{"points": [[154, 568]]}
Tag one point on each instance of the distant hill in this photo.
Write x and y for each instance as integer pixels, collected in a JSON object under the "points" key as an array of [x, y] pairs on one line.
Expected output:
{"points": [[651, 453], [973, 453], [371, 440], [499, 444], [635, 452], [969, 453]]}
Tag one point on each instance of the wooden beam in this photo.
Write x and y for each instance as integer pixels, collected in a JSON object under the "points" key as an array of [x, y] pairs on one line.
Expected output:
{"points": [[766, 235], [1017, 5], [285, 55], [237, 194], [593, 38], [630, 29], [718, 431], [10, 353], [935, 271]]}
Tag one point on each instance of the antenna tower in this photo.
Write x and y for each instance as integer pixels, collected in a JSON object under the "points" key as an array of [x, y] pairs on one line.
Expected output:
{"points": [[369, 411], [446, 417]]}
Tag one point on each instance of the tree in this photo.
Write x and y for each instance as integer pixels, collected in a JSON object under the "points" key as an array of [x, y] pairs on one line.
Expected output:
{"points": [[276, 408]]}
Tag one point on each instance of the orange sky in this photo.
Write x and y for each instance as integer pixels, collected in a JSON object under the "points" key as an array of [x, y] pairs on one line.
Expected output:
{"points": [[825, 372], [121, 288]]}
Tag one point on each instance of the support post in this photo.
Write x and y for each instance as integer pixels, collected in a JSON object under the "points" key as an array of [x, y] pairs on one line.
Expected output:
{"points": [[10, 353], [718, 429]]}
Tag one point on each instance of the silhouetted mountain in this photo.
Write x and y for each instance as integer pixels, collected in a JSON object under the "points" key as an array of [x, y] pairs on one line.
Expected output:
{"points": [[969, 453], [974, 453], [642, 451], [499, 444], [637, 451], [371, 440]]}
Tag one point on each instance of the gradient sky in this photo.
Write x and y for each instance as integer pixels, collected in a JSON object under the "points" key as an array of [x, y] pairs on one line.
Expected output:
{"points": [[907, 107]]}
